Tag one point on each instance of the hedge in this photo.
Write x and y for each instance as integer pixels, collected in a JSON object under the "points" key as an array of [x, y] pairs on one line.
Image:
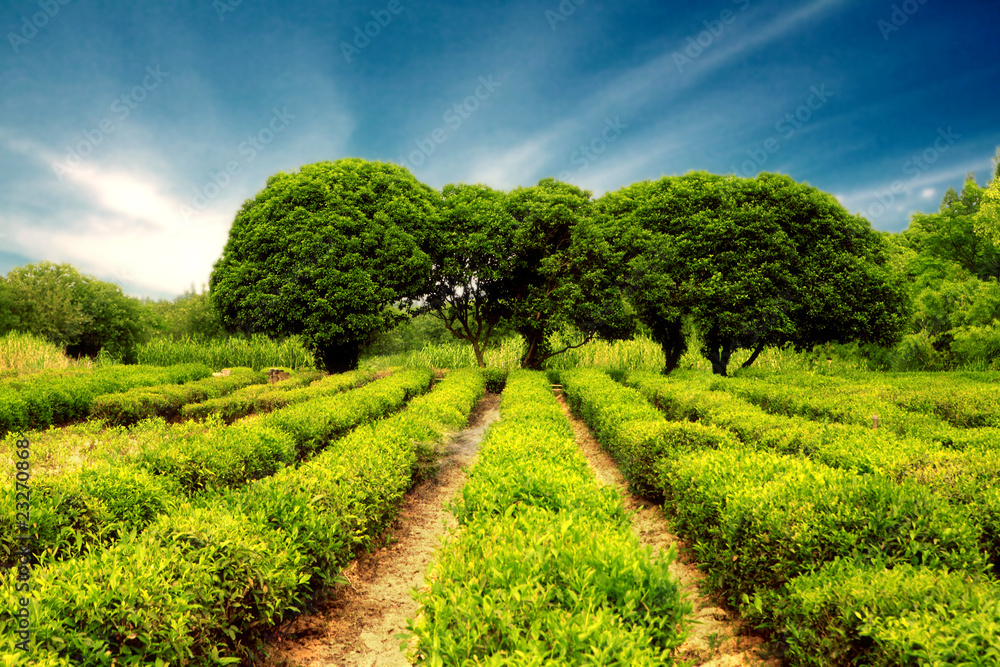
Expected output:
{"points": [[202, 584], [544, 569]]}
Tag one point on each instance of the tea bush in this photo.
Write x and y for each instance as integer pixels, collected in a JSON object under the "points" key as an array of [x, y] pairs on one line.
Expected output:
{"points": [[545, 569]]}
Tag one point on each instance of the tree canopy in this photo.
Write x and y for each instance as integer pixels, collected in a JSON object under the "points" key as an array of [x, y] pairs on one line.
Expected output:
{"points": [[75, 311], [752, 263], [324, 252], [472, 251], [566, 274]]}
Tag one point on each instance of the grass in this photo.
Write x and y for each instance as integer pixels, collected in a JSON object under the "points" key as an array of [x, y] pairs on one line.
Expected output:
{"points": [[25, 353], [258, 353], [451, 355], [639, 354]]}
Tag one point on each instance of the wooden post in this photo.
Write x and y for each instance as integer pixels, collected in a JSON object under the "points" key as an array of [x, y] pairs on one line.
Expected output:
{"points": [[874, 421]]}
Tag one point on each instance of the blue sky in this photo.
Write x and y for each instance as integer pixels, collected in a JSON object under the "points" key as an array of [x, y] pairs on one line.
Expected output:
{"points": [[131, 134]]}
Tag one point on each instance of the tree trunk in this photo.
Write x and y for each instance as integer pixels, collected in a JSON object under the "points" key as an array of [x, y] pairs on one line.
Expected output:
{"points": [[674, 345], [339, 358], [477, 348], [753, 357], [537, 348], [718, 352]]}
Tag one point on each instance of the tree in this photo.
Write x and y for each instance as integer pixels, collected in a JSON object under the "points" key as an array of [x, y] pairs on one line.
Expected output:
{"points": [[324, 252], [753, 263], [988, 218], [75, 311], [565, 274], [190, 315], [641, 215], [472, 253], [955, 233]]}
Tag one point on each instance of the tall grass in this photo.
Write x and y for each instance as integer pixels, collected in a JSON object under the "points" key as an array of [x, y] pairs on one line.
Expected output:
{"points": [[639, 354], [457, 354], [22, 353], [258, 352]]}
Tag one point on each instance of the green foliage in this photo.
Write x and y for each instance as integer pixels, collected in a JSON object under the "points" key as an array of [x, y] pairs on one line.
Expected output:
{"points": [[301, 386], [25, 353], [844, 614], [752, 263], [221, 458], [72, 310], [316, 422], [566, 272], [412, 335], [62, 396], [124, 408], [758, 520], [762, 519], [258, 352], [545, 569], [189, 316], [633, 430], [472, 255], [496, 379], [201, 584], [322, 253]]}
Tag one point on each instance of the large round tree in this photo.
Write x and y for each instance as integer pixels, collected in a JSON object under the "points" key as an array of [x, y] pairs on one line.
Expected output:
{"points": [[753, 263], [323, 253]]}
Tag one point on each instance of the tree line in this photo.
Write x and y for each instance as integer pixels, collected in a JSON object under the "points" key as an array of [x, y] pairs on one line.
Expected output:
{"points": [[342, 252], [746, 263]]}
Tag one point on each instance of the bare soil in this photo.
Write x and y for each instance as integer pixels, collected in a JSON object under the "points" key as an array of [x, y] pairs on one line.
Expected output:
{"points": [[717, 637], [358, 624]]}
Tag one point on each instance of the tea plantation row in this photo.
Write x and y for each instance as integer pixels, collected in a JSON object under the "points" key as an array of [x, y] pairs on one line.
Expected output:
{"points": [[206, 577], [544, 569], [845, 565], [74, 510]]}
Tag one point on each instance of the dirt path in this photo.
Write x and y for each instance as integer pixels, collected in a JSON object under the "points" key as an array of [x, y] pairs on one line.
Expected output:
{"points": [[717, 638], [357, 626]]}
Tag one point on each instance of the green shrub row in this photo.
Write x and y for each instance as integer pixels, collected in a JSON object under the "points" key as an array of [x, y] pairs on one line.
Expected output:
{"points": [[962, 399], [72, 512], [59, 397], [957, 413], [302, 386], [759, 520], [968, 478], [848, 614], [841, 402], [849, 446], [202, 584], [315, 422], [545, 569], [166, 400], [634, 431]]}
